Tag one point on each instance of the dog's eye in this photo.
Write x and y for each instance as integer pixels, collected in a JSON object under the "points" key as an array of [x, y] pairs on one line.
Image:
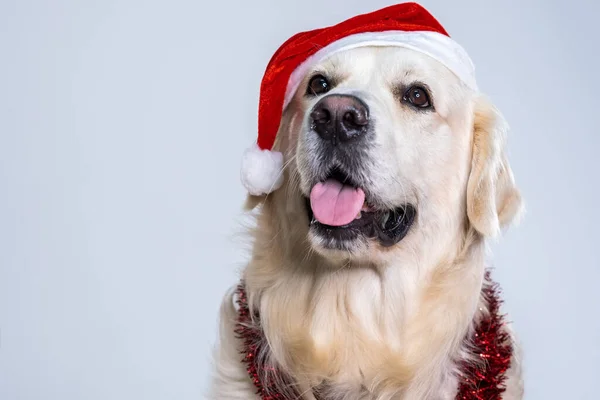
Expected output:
{"points": [[417, 96], [318, 85]]}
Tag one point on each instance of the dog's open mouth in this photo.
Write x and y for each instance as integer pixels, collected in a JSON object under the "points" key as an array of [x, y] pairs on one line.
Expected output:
{"points": [[338, 210]]}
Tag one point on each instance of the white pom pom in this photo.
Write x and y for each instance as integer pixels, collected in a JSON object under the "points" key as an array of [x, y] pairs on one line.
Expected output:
{"points": [[262, 170]]}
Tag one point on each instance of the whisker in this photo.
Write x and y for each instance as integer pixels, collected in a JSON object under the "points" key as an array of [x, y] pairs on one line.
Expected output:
{"points": [[283, 168]]}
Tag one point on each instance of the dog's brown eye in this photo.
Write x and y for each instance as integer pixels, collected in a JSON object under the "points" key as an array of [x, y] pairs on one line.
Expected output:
{"points": [[318, 85], [418, 97]]}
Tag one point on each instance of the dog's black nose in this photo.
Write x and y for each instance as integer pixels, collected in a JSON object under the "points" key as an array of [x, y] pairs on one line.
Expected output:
{"points": [[340, 118]]}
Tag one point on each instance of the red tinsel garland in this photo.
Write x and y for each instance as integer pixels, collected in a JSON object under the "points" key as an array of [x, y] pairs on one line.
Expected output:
{"points": [[490, 343]]}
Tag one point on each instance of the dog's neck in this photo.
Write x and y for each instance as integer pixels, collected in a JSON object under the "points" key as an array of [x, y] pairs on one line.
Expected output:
{"points": [[395, 329]]}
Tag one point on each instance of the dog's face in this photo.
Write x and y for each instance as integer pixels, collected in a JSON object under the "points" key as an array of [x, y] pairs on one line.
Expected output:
{"points": [[380, 149]]}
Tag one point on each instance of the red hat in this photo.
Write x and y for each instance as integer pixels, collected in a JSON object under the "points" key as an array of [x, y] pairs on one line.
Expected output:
{"points": [[405, 25]]}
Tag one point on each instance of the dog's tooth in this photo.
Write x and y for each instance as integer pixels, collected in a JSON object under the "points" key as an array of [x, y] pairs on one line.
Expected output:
{"points": [[386, 216], [358, 215]]}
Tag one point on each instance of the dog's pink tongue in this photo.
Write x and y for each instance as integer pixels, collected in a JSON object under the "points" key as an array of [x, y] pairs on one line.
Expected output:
{"points": [[336, 204]]}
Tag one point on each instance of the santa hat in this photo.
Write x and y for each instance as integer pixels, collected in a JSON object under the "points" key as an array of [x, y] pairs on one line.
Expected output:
{"points": [[405, 25]]}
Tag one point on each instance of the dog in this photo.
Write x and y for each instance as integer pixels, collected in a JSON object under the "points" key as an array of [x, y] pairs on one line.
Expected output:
{"points": [[368, 262]]}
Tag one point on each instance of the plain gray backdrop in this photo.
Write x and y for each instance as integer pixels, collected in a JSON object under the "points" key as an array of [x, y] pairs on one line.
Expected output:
{"points": [[122, 123]]}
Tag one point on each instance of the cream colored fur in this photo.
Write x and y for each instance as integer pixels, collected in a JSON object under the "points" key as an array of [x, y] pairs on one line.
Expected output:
{"points": [[380, 323]]}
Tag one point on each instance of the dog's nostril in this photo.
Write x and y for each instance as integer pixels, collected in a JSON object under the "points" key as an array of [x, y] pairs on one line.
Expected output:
{"points": [[321, 115], [349, 117], [356, 118]]}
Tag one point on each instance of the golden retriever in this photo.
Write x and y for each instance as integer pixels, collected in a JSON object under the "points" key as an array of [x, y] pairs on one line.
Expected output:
{"points": [[368, 264]]}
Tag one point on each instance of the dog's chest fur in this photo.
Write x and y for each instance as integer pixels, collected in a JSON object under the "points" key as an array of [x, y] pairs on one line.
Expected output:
{"points": [[489, 341], [361, 335]]}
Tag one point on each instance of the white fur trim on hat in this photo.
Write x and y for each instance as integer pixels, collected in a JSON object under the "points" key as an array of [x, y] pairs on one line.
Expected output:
{"points": [[262, 170], [437, 46]]}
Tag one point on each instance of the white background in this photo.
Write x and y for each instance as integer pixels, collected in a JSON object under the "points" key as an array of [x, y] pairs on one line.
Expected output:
{"points": [[122, 123]]}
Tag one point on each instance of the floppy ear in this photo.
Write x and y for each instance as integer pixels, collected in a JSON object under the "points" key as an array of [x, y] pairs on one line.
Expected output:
{"points": [[493, 201]]}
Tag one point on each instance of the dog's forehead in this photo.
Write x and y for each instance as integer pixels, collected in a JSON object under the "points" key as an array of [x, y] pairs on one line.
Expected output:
{"points": [[389, 63]]}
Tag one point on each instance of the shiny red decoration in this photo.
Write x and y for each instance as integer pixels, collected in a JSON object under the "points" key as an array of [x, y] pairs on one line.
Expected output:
{"points": [[264, 377], [492, 345], [485, 381]]}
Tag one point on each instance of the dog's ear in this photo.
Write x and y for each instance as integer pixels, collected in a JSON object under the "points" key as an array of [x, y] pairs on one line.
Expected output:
{"points": [[493, 200]]}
